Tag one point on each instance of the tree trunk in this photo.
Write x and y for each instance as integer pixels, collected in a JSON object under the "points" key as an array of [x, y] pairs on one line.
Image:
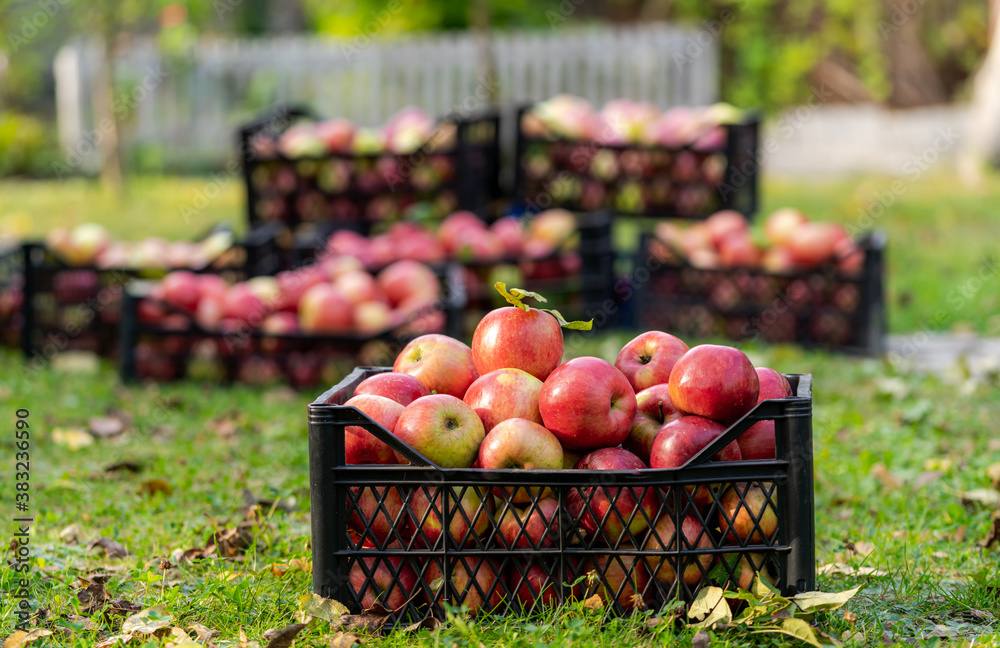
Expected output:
{"points": [[983, 143], [913, 78], [106, 125]]}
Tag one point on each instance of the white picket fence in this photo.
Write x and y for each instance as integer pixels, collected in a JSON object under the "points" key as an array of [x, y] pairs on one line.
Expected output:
{"points": [[186, 108]]}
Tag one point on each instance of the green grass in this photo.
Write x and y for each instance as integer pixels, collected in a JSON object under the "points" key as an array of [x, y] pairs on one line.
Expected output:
{"points": [[892, 454]]}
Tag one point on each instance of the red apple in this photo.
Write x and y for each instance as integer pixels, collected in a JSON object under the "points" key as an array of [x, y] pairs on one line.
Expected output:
{"points": [[532, 587], [337, 135], [813, 244], [455, 226], [587, 404], [386, 580], [714, 381], [280, 324], [724, 223], [358, 286], [780, 225], [682, 439], [210, 313], [293, 284], [339, 264], [553, 226], [663, 537], [242, 305], [323, 309], [737, 250], [520, 444], [758, 441], [649, 357], [530, 527], [505, 394], [653, 411], [474, 583], [613, 511], [361, 446], [624, 580], [210, 285], [512, 338], [511, 235], [753, 520], [442, 428], [181, 288], [469, 513], [372, 317], [443, 364], [377, 515], [777, 259], [749, 566], [400, 387], [404, 279]]}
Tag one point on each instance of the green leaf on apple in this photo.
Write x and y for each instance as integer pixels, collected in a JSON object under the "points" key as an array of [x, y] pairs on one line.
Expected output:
{"points": [[514, 297]]}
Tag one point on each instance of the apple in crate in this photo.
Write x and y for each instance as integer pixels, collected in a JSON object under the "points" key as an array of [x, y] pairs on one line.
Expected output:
{"points": [[587, 404], [621, 579], [649, 357], [553, 226], [505, 394], [749, 566], [682, 439], [404, 279], [653, 411], [443, 429], [242, 305], [475, 583], [663, 537], [323, 310], [388, 580], [754, 520], [533, 587], [781, 225], [725, 223], [378, 515], [520, 444], [443, 364], [399, 387], [813, 244], [758, 441], [361, 446], [181, 288], [714, 381], [85, 243], [607, 513], [469, 515], [530, 527], [513, 338]]}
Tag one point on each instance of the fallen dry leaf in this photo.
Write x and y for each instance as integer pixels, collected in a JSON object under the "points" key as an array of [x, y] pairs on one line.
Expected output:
{"points": [[430, 624], [595, 602], [21, 638], [203, 633], [72, 438], [345, 640], [293, 565], [116, 640], [993, 472], [121, 608], [228, 425], [112, 548], [103, 427], [154, 486], [842, 569], [85, 623], [70, 535], [993, 533], [148, 621], [849, 616], [130, 466], [370, 620], [285, 637], [886, 478], [986, 496], [93, 595], [314, 606], [244, 643]]}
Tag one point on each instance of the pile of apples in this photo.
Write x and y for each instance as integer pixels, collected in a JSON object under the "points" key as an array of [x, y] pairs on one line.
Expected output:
{"points": [[462, 236], [624, 122], [336, 296], [788, 243], [509, 402], [406, 132], [90, 244]]}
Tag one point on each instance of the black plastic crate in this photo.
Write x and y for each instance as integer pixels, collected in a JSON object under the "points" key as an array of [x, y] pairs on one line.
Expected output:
{"points": [[819, 308], [370, 533], [78, 308], [183, 350], [359, 190], [653, 181], [11, 295]]}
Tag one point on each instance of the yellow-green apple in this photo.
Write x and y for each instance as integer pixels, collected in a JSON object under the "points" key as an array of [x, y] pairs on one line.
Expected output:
{"points": [[530, 527], [443, 364], [758, 441], [570, 458], [780, 225], [361, 446], [442, 428], [714, 381], [323, 309], [404, 279], [149, 253], [400, 387], [85, 242], [663, 537], [372, 317], [388, 580], [336, 266], [777, 259], [475, 583], [587, 404], [653, 411], [532, 587], [813, 244], [266, 289], [520, 444], [683, 438], [553, 226], [512, 338], [180, 288], [242, 305], [357, 286], [723, 223], [648, 358], [612, 514], [754, 520], [378, 515], [469, 515], [57, 242], [505, 394], [624, 580]]}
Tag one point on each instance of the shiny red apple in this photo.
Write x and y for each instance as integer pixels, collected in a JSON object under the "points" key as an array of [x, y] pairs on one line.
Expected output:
{"points": [[360, 446], [648, 358], [442, 428], [612, 514], [653, 411], [714, 381], [512, 338], [758, 441], [443, 364], [587, 404], [505, 394], [400, 387]]}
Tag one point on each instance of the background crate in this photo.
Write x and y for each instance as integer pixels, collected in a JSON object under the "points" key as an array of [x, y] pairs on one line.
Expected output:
{"points": [[184, 350], [11, 295], [79, 307], [361, 538], [313, 194], [820, 308], [654, 181]]}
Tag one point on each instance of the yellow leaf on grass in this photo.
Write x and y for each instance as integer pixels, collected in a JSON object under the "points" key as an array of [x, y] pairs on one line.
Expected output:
{"points": [[22, 638], [810, 602], [148, 621], [595, 602], [315, 606], [72, 438], [711, 607]]}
